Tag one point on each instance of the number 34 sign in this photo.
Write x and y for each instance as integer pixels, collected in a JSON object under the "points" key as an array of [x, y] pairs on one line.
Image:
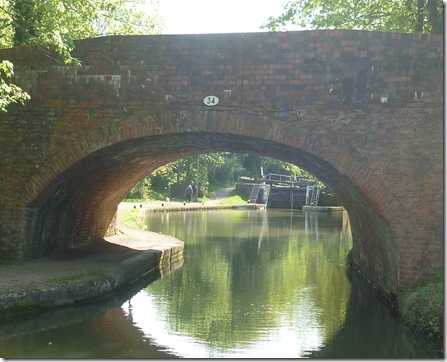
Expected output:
{"points": [[210, 100]]}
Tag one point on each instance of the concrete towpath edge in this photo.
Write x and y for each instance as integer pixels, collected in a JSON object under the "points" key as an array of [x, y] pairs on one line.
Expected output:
{"points": [[96, 270]]}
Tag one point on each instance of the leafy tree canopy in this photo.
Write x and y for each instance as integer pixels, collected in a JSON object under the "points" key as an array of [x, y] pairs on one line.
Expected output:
{"points": [[9, 93], [54, 24], [404, 16], [211, 170]]}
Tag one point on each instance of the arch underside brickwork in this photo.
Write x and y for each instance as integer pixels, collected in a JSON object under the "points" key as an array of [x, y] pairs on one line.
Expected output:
{"points": [[78, 206]]}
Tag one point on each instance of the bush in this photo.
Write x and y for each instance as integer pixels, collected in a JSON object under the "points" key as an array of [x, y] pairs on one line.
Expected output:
{"points": [[423, 308]]}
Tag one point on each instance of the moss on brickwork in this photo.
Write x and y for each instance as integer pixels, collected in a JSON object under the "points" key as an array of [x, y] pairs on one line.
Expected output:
{"points": [[77, 276], [24, 303], [10, 244]]}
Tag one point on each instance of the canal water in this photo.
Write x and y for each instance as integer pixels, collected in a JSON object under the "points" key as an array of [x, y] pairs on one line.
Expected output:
{"points": [[253, 284]]}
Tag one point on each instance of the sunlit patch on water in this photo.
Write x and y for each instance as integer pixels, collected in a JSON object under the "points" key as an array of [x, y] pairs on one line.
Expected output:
{"points": [[253, 284], [290, 338]]}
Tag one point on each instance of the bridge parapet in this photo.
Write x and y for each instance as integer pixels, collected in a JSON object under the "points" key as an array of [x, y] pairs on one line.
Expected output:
{"points": [[276, 71]]}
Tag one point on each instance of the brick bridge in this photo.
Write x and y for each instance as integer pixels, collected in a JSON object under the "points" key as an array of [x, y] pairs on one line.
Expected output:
{"points": [[362, 111]]}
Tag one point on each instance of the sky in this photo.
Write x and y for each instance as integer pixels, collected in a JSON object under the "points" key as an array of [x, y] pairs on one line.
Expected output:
{"points": [[214, 16]]}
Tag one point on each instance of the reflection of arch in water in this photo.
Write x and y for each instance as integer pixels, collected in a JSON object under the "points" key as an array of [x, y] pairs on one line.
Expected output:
{"points": [[358, 338]]}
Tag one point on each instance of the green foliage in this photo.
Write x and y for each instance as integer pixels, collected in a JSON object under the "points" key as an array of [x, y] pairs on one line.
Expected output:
{"points": [[423, 308], [142, 190], [8, 262], [208, 170], [55, 23], [52, 25], [76, 276], [228, 171], [9, 93], [405, 16], [234, 198], [130, 218]]}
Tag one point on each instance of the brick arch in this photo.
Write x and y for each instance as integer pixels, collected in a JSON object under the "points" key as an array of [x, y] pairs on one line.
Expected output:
{"points": [[363, 111], [79, 204]]}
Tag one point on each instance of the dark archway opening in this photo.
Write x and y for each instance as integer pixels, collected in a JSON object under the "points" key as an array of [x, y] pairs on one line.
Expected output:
{"points": [[79, 205]]}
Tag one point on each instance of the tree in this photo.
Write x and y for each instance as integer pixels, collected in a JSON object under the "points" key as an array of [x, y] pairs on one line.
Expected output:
{"points": [[404, 16], [9, 93], [212, 169], [54, 24]]}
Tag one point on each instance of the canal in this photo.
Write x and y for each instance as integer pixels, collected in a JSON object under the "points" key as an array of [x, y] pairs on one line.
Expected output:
{"points": [[253, 283]]}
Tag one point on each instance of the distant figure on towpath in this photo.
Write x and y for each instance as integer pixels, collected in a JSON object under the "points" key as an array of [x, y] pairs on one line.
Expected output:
{"points": [[188, 193]]}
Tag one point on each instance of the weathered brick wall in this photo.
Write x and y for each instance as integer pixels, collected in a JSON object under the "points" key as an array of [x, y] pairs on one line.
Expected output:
{"points": [[363, 111]]}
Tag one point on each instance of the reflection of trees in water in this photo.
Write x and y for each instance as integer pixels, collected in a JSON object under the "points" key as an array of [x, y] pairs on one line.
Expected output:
{"points": [[261, 268]]}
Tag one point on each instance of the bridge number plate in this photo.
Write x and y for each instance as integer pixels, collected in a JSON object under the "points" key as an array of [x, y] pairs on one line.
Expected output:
{"points": [[211, 101]]}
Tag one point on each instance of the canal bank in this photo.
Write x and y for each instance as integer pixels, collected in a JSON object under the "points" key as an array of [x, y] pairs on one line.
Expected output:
{"points": [[96, 270], [120, 260], [86, 273]]}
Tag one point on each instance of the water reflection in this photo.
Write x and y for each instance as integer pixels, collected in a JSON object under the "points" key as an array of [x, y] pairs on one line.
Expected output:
{"points": [[253, 283], [370, 331], [276, 343], [98, 329]]}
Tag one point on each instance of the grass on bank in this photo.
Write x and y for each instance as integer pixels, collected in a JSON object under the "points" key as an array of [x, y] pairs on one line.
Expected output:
{"points": [[8, 262], [75, 276], [423, 307], [130, 218], [234, 198]]}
